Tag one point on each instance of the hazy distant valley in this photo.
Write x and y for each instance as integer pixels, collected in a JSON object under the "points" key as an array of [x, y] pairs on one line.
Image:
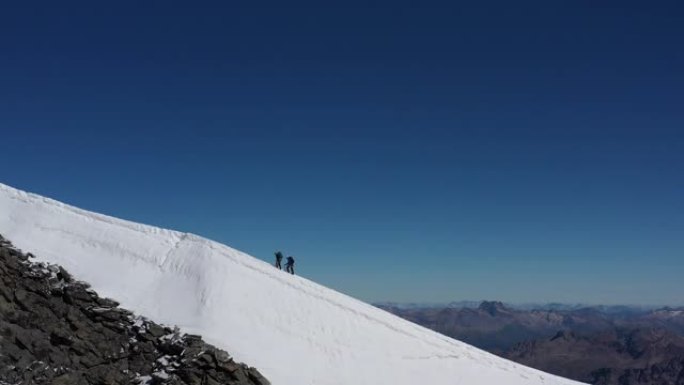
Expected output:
{"points": [[595, 344]]}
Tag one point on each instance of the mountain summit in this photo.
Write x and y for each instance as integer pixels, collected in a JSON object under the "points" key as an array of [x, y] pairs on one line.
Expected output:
{"points": [[293, 330], [493, 308]]}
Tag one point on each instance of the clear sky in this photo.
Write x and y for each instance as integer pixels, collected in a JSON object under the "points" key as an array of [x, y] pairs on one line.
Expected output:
{"points": [[401, 150]]}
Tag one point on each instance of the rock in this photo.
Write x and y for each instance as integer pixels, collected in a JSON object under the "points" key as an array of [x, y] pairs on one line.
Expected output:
{"points": [[156, 330], [75, 294], [228, 366], [56, 330], [206, 360], [257, 378], [106, 302], [68, 379], [171, 348], [64, 275], [21, 299], [61, 337], [190, 376]]}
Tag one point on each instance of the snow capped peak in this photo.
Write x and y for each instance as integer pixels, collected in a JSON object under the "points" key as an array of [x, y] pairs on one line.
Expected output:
{"points": [[293, 330]]}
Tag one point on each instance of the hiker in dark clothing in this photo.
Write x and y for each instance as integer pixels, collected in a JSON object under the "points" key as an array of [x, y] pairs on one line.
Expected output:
{"points": [[279, 258], [289, 266]]}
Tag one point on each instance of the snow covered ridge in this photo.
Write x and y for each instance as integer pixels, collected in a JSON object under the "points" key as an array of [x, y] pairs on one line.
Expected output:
{"points": [[294, 331]]}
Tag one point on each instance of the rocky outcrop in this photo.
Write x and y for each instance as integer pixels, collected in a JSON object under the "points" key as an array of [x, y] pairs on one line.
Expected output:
{"points": [[56, 330]]}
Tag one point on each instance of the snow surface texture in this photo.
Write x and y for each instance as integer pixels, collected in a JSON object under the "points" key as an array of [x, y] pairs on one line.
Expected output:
{"points": [[294, 331]]}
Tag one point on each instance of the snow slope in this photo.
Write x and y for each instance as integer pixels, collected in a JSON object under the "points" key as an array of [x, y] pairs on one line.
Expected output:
{"points": [[294, 331]]}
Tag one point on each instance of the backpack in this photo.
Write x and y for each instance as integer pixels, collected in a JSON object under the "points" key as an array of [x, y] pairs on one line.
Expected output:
{"points": [[279, 255]]}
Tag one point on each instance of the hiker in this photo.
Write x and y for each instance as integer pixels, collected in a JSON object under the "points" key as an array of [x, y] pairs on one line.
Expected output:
{"points": [[279, 258], [289, 266]]}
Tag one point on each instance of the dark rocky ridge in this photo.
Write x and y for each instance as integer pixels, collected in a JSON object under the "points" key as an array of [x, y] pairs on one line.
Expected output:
{"points": [[56, 330]]}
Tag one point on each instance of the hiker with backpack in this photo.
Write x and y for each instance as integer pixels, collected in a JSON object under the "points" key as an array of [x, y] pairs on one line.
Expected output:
{"points": [[279, 258], [289, 266]]}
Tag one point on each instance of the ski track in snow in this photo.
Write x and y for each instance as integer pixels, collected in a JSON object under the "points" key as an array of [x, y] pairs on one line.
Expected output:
{"points": [[291, 329]]}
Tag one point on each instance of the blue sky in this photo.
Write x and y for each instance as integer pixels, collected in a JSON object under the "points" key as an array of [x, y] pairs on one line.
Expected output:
{"points": [[401, 150]]}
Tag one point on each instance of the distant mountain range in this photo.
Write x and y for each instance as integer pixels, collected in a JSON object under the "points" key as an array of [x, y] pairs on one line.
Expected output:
{"points": [[620, 356], [596, 344], [518, 306]]}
